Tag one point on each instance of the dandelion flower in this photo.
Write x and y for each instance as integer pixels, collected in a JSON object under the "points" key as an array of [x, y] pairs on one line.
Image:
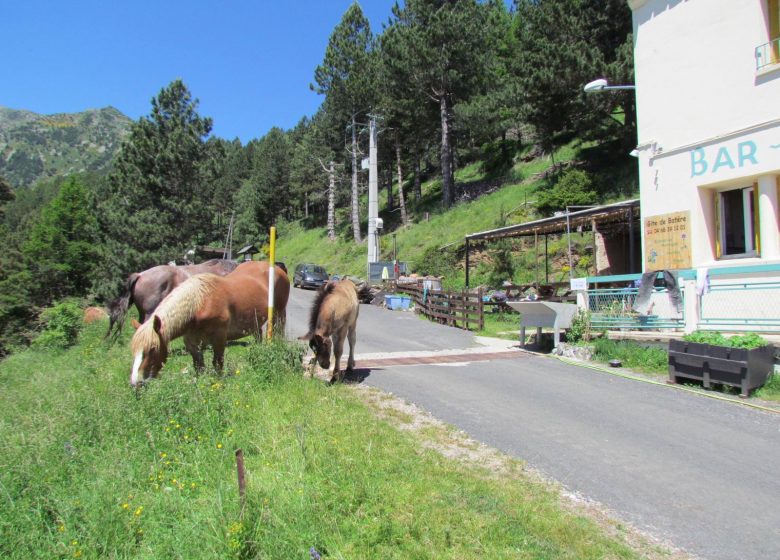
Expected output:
{"points": [[125, 505], [219, 446], [138, 511]]}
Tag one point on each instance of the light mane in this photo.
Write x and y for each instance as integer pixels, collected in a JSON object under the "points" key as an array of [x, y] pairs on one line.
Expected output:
{"points": [[174, 311]]}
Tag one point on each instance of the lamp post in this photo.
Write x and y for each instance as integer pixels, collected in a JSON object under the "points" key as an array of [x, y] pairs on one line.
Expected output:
{"points": [[602, 85]]}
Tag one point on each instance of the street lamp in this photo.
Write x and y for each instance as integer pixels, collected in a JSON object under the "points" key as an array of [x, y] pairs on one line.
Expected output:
{"points": [[602, 85]]}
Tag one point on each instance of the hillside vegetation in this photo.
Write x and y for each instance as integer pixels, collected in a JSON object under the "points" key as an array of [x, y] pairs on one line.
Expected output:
{"points": [[35, 147], [90, 469], [436, 245]]}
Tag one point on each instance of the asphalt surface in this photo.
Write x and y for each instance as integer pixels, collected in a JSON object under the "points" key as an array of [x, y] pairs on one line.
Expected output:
{"points": [[696, 472]]}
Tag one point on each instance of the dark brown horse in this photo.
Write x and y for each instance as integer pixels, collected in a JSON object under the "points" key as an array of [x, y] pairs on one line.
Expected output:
{"points": [[148, 288], [209, 310], [333, 318]]}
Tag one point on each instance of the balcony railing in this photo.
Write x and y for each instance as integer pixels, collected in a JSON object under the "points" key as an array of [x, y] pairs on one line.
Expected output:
{"points": [[768, 54]]}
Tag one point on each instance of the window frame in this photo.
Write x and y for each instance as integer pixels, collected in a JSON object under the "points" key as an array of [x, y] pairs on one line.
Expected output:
{"points": [[750, 223]]}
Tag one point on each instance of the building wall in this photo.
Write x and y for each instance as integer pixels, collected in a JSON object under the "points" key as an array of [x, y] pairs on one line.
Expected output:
{"points": [[707, 119]]}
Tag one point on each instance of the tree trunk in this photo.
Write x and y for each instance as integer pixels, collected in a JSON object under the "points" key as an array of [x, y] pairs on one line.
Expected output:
{"points": [[332, 202], [417, 178], [446, 154], [401, 201], [355, 216], [306, 205], [389, 182]]}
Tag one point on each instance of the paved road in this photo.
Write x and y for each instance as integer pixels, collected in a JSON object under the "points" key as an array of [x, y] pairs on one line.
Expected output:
{"points": [[697, 472]]}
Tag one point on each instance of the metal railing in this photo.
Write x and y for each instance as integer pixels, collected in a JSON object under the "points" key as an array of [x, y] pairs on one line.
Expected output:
{"points": [[612, 308], [742, 306], [768, 54]]}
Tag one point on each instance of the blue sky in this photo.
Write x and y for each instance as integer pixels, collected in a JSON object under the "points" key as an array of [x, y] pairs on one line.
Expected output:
{"points": [[249, 63]]}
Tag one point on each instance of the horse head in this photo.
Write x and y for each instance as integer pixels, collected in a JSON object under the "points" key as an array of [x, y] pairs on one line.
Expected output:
{"points": [[150, 350], [321, 346]]}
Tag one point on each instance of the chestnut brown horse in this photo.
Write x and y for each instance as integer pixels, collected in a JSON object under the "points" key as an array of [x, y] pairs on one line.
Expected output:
{"points": [[209, 310], [333, 318], [148, 288]]}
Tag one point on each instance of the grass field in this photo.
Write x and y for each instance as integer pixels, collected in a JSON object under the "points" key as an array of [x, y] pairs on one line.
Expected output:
{"points": [[89, 469]]}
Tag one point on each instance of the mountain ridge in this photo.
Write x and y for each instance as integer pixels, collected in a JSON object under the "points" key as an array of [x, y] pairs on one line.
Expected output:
{"points": [[35, 146]]}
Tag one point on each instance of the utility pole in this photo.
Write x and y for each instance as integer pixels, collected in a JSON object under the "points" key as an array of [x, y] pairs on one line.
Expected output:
{"points": [[373, 203]]}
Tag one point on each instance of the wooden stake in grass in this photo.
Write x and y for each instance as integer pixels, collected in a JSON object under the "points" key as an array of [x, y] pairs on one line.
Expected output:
{"points": [[241, 478]]}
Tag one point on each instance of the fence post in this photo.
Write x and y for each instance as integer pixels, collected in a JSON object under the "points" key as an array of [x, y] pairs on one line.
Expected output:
{"points": [[691, 307], [481, 306]]}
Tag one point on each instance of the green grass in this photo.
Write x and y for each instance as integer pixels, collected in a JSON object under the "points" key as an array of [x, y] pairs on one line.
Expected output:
{"points": [[90, 469], [632, 355], [771, 389]]}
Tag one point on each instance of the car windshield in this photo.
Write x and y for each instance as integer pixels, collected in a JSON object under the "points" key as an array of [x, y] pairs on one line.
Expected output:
{"points": [[315, 269]]}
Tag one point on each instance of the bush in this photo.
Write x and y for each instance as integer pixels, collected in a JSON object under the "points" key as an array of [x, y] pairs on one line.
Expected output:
{"points": [[580, 327], [436, 262], [272, 361], [574, 188], [61, 326]]}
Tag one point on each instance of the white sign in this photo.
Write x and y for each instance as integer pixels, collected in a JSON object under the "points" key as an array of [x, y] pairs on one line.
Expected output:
{"points": [[579, 283]]}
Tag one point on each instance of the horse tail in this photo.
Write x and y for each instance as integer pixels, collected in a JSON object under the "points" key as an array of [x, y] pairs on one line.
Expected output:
{"points": [[117, 309]]}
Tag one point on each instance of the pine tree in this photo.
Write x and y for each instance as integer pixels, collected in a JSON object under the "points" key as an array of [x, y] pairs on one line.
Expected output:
{"points": [[61, 250], [441, 47], [154, 203], [562, 45], [345, 77], [6, 195]]}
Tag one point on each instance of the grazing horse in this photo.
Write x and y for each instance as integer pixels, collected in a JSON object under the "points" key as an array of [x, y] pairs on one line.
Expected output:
{"points": [[209, 310], [333, 318], [148, 288]]}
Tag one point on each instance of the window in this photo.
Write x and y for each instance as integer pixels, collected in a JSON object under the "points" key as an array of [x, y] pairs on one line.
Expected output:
{"points": [[736, 223], [773, 13], [768, 54]]}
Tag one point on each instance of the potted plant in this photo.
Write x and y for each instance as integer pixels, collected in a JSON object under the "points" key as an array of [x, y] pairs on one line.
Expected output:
{"points": [[744, 361]]}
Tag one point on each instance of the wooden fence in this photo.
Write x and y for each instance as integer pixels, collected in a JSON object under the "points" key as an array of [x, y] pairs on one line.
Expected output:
{"points": [[462, 309]]}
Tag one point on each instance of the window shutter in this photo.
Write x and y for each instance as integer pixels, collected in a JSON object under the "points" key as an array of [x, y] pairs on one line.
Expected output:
{"points": [[717, 225], [756, 231]]}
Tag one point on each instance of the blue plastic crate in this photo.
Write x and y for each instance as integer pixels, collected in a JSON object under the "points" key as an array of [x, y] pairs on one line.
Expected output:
{"points": [[397, 302]]}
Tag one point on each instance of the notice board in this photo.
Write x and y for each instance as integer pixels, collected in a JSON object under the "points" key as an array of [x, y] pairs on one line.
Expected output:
{"points": [[668, 241]]}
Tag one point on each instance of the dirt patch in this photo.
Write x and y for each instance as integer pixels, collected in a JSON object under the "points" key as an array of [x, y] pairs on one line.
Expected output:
{"points": [[457, 445]]}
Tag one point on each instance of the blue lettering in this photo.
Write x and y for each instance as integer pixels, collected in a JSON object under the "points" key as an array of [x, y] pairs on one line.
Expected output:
{"points": [[747, 152], [722, 159], [698, 163]]}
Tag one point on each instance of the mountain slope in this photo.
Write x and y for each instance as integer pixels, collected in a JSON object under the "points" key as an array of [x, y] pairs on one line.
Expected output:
{"points": [[34, 146]]}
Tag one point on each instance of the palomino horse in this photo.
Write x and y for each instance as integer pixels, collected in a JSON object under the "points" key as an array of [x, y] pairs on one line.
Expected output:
{"points": [[333, 318], [148, 288], [209, 310]]}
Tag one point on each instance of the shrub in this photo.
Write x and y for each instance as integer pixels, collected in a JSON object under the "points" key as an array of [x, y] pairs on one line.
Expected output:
{"points": [[436, 262], [580, 327], [574, 188], [61, 326], [272, 361]]}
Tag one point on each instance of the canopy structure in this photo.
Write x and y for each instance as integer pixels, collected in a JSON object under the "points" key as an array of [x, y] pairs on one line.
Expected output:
{"points": [[602, 219]]}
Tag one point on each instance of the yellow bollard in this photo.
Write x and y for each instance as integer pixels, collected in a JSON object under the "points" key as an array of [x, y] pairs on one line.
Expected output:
{"points": [[271, 282]]}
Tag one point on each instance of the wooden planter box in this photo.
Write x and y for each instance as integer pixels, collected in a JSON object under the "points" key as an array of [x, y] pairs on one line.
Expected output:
{"points": [[736, 367]]}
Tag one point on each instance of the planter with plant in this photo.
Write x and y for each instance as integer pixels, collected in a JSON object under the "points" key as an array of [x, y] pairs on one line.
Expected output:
{"points": [[743, 361]]}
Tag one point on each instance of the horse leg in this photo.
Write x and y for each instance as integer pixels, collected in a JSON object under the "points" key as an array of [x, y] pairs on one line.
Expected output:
{"points": [[193, 346], [335, 365], [352, 338], [219, 353]]}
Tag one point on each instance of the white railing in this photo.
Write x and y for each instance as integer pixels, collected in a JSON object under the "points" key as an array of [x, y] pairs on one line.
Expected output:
{"points": [[768, 54]]}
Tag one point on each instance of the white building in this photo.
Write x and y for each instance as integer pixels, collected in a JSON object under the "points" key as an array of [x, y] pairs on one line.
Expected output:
{"points": [[708, 120]]}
